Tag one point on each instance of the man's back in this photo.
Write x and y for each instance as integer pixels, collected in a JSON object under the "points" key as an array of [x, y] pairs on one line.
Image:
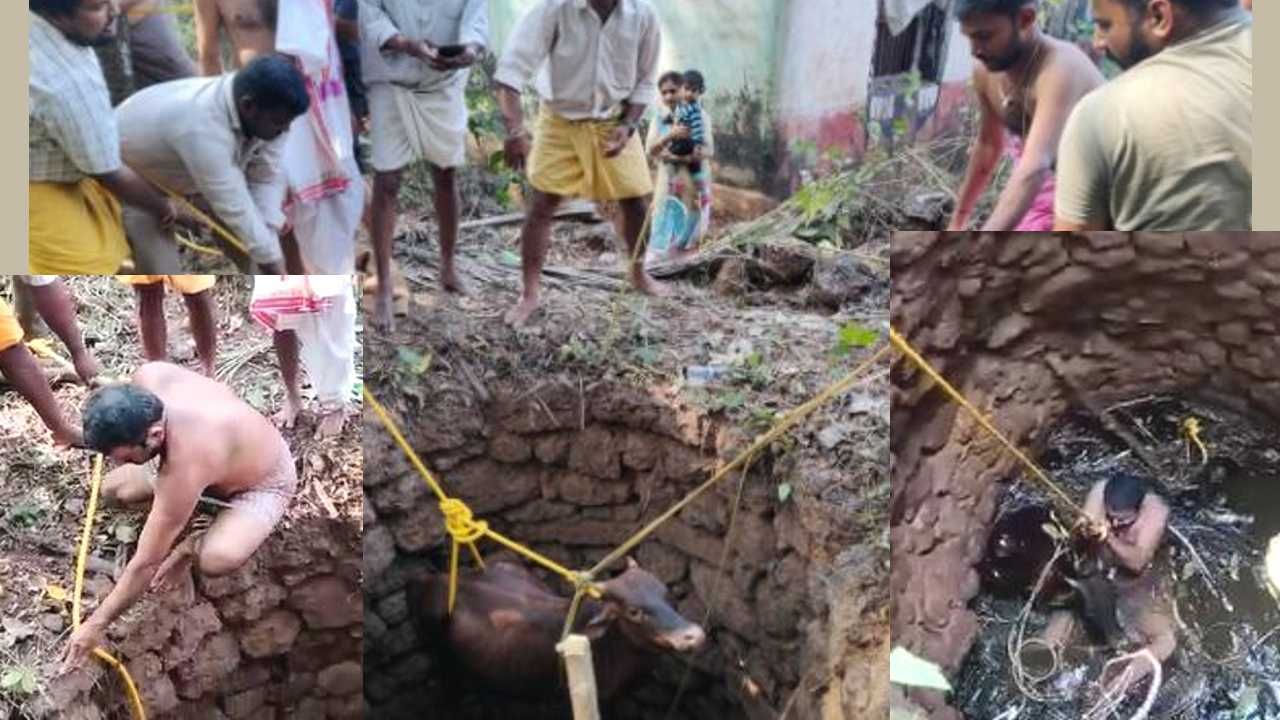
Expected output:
{"points": [[231, 445], [1173, 137]]}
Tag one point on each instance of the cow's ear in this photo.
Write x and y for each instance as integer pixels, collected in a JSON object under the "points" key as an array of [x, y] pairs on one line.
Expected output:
{"points": [[631, 563]]}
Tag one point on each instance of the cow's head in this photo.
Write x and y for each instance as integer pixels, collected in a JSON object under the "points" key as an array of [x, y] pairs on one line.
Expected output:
{"points": [[639, 603]]}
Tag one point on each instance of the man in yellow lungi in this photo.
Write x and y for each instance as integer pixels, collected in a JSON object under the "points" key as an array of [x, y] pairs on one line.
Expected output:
{"points": [[594, 88], [75, 173], [196, 295], [22, 371]]}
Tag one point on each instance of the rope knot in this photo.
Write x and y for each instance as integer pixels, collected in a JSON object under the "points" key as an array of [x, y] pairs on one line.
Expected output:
{"points": [[460, 523]]}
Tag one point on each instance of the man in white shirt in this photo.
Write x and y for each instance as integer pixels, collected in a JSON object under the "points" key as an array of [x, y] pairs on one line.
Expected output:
{"points": [[416, 56], [596, 63], [221, 139], [75, 172]]}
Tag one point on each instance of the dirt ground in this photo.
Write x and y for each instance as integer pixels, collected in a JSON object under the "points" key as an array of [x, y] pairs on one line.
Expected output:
{"points": [[43, 491], [781, 319]]}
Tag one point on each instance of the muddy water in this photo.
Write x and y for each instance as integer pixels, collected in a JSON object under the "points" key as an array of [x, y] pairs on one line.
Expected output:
{"points": [[1227, 665]]}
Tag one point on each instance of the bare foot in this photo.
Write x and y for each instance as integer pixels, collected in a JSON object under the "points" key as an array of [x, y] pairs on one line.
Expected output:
{"points": [[519, 315], [383, 316], [449, 279], [174, 567], [647, 285], [289, 412], [331, 423], [86, 367]]}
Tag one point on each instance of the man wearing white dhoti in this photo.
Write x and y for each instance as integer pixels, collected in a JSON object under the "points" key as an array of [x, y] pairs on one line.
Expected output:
{"points": [[326, 194], [313, 318], [416, 56]]}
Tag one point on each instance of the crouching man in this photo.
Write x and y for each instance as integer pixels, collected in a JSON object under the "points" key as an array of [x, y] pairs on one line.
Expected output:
{"points": [[206, 440]]}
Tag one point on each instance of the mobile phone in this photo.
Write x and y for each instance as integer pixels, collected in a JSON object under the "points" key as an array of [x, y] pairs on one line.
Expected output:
{"points": [[451, 50]]}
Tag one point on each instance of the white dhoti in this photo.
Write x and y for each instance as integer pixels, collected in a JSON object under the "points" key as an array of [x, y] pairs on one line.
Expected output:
{"points": [[326, 192], [321, 310], [412, 124]]}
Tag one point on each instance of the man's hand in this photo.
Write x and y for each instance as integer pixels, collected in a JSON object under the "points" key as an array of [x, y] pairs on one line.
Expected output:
{"points": [[617, 141], [69, 438], [1091, 529], [515, 150], [469, 56], [81, 645]]}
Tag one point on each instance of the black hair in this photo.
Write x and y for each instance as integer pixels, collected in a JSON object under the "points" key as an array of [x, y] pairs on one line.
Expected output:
{"points": [[119, 415], [965, 8], [672, 77], [1124, 491], [274, 83], [54, 8], [693, 80], [1196, 7]]}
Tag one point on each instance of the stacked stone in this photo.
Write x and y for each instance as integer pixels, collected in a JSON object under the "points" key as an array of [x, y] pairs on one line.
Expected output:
{"points": [[1122, 314], [278, 639], [573, 476]]}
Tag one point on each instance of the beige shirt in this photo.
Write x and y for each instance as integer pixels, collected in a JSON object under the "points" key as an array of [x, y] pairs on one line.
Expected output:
{"points": [[585, 68], [71, 129], [187, 136], [1168, 145], [439, 22]]}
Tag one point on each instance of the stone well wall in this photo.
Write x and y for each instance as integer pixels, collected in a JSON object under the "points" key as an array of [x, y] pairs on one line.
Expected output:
{"points": [[573, 475], [1125, 314], [279, 639]]}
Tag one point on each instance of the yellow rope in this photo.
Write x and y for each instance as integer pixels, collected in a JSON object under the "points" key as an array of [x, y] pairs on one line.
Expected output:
{"points": [[1191, 427], [915, 357], [214, 225], [135, 699], [461, 525], [183, 241], [789, 420], [464, 529]]}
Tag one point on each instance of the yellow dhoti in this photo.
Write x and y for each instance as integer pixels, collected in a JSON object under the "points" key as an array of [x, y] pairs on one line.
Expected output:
{"points": [[10, 330], [568, 160], [185, 284], [74, 229]]}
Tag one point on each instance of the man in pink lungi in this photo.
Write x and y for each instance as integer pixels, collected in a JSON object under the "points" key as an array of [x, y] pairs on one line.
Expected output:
{"points": [[1026, 84]]}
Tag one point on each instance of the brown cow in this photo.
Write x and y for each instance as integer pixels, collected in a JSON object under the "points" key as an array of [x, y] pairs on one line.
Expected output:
{"points": [[506, 624]]}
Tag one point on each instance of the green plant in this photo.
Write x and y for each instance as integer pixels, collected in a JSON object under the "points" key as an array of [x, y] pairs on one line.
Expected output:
{"points": [[19, 680]]}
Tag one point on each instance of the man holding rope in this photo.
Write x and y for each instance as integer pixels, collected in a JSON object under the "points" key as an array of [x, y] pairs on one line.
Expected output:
{"points": [[1128, 521], [220, 139], [204, 439], [596, 63]]}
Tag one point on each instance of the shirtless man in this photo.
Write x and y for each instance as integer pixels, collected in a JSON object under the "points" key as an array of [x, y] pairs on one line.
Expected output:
{"points": [[1129, 521], [251, 28], [207, 441], [1026, 83]]}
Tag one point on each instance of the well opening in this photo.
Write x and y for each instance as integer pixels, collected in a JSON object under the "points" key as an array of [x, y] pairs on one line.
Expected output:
{"points": [[572, 472], [1035, 330]]}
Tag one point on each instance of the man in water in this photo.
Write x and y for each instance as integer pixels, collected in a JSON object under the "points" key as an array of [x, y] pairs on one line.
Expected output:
{"points": [[206, 440], [1128, 521], [1026, 83]]}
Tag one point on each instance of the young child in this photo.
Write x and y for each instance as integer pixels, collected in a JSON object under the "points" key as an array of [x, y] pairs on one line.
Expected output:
{"points": [[689, 115]]}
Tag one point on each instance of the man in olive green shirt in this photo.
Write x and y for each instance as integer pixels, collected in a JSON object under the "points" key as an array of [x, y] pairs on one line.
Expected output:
{"points": [[1167, 145]]}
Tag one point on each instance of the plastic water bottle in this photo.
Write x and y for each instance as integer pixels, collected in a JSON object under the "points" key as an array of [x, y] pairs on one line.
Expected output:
{"points": [[704, 374]]}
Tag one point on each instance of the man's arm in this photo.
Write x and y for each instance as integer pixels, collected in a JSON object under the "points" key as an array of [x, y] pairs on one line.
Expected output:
{"points": [[645, 91], [133, 190], [527, 48], [1136, 556], [1058, 89], [169, 514], [984, 157], [1082, 199], [249, 216], [208, 24], [474, 26]]}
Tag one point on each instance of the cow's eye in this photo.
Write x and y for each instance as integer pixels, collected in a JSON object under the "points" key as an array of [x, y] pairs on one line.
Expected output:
{"points": [[635, 614]]}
